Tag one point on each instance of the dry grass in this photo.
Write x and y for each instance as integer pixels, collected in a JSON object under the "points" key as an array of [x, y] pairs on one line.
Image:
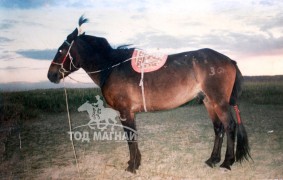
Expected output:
{"points": [[174, 145]]}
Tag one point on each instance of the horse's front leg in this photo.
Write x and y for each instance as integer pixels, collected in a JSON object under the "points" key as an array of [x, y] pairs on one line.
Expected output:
{"points": [[135, 155]]}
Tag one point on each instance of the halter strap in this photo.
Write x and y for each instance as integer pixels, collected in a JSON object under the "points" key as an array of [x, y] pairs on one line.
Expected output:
{"points": [[67, 43], [68, 54]]}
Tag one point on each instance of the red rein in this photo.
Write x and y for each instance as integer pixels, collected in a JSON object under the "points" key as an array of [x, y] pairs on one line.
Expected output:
{"points": [[237, 114]]}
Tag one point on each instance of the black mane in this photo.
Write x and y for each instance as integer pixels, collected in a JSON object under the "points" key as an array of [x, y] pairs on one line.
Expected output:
{"points": [[124, 46], [97, 44]]}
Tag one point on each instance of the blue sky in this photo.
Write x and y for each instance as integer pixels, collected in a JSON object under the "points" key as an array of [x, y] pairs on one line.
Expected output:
{"points": [[250, 32]]}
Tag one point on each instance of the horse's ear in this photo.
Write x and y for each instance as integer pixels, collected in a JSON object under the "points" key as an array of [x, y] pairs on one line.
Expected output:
{"points": [[72, 36]]}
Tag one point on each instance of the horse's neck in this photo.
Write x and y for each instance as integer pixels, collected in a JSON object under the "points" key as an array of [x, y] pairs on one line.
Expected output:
{"points": [[101, 61], [100, 66], [98, 57]]}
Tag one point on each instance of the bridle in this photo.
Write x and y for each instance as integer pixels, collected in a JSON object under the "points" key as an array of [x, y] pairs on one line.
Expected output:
{"points": [[62, 69]]}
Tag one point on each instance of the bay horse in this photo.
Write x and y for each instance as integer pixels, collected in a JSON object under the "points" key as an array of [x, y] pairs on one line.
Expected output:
{"points": [[204, 73]]}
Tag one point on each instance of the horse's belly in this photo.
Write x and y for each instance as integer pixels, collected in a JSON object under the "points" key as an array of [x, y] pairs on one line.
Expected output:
{"points": [[171, 97]]}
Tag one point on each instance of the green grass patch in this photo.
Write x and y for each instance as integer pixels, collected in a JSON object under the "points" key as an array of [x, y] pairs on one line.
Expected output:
{"points": [[28, 104], [263, 92]]}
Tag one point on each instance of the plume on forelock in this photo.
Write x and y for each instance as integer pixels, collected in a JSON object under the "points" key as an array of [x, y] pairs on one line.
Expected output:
{"points": [[82, 20]]}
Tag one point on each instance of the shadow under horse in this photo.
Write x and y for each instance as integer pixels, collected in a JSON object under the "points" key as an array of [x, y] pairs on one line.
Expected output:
{"points": [[202, 73]]}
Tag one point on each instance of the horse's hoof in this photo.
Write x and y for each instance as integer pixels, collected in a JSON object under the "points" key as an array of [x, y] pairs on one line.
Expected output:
{"points": [[131, 169], [225, 166], [210, 163]]}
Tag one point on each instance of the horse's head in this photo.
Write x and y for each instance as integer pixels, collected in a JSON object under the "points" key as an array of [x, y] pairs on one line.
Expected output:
{"points": [[84, 107], [67, 57]]}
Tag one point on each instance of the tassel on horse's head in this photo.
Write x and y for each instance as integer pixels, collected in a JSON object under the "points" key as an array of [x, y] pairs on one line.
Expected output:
{"points": [[77, 31], [82, 20]]}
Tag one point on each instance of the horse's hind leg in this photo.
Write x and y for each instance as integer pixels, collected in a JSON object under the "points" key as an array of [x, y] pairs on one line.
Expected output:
{"points": [[223, 111], [219, 133]]}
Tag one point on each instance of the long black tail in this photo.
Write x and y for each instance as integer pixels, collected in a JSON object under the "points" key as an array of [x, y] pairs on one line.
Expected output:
{"points": [[237, 89], [242, 148]]}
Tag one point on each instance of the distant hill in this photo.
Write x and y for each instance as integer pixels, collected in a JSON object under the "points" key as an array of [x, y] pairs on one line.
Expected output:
{"points": [[263, 78]]}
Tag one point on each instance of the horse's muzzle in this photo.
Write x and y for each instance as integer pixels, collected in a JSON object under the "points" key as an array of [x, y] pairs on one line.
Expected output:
{"points": [[53, 77]]}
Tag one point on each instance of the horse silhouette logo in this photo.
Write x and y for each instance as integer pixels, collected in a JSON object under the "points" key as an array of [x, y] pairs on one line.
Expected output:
{"points": [[99, 115]]}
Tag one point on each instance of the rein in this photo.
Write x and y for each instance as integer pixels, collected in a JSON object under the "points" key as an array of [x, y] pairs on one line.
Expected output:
{"points": [[70, 126], [62, 70], [98, 71]]}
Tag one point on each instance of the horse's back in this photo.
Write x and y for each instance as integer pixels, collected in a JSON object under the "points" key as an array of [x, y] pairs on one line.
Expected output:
{"points": [[204, 55]]}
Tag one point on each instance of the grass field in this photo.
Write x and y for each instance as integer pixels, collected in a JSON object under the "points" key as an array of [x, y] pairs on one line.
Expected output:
{"points": [[174, 144]]}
